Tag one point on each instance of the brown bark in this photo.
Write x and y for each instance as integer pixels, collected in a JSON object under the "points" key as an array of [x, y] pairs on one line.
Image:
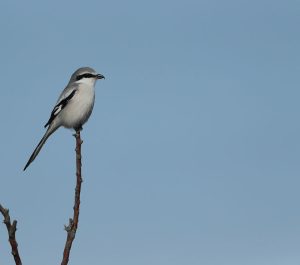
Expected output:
{"points": [[11, 229], [73, 222]]}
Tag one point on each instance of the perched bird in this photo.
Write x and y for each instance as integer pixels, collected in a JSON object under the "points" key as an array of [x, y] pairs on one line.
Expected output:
{"points": [[73, 107]]}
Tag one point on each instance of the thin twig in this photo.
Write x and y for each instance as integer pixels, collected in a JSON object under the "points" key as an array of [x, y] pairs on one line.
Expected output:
{"points": [[11, 229], [73, 223]]}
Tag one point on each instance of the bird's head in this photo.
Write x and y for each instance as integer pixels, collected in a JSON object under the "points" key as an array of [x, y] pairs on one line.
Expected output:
{"points": [[85, 75]]}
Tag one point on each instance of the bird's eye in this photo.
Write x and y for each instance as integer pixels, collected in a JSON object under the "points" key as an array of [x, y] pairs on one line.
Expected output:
{"points": [[86, 75]]}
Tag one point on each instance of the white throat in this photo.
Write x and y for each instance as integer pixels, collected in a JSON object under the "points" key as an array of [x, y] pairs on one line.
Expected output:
{"points": [[87, 81]]}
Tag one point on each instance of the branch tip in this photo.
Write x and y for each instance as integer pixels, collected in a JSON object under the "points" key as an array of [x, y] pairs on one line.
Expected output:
{"points": [[73, 222], [11, 230]]}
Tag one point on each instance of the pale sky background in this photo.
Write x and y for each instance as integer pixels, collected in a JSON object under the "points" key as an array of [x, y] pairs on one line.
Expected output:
{"points": [[192, 154]]}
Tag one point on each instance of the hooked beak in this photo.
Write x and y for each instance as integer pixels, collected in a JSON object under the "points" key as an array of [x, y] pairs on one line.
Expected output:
{"points": [[99, 76]]}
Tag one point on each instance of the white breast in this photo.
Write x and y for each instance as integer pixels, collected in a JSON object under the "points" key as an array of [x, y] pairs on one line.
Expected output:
{"points": [[80, 107]]}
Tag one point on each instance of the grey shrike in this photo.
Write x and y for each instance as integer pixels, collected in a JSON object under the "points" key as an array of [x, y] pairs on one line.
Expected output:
{"points": [[73, 107]]}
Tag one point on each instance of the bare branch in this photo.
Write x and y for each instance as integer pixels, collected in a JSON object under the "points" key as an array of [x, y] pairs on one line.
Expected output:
{"points": [[11, 229], [73, 223]]}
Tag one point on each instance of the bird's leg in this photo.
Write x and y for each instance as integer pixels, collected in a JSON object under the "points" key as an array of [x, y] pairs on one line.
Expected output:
{"points": [[77, 130]]}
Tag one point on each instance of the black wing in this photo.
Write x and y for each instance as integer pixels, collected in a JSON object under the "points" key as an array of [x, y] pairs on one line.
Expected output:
{"points": [[59, 107]]}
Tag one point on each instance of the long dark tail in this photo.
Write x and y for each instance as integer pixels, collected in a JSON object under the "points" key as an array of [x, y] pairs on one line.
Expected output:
{"points": [[50, 130]]}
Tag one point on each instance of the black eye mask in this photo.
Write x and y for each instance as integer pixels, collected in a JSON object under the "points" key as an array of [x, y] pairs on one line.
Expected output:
{"points": [[87, 75]]}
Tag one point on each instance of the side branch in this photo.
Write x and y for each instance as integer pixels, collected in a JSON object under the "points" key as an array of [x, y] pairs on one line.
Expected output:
{"points": [[11, 229], [73, 223]]}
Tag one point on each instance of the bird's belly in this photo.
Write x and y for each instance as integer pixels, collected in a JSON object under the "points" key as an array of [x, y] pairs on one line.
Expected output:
{"points": [[78, 110]]}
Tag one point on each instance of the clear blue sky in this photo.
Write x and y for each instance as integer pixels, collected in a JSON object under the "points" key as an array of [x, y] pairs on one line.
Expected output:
{"points": [[192, 153]]}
